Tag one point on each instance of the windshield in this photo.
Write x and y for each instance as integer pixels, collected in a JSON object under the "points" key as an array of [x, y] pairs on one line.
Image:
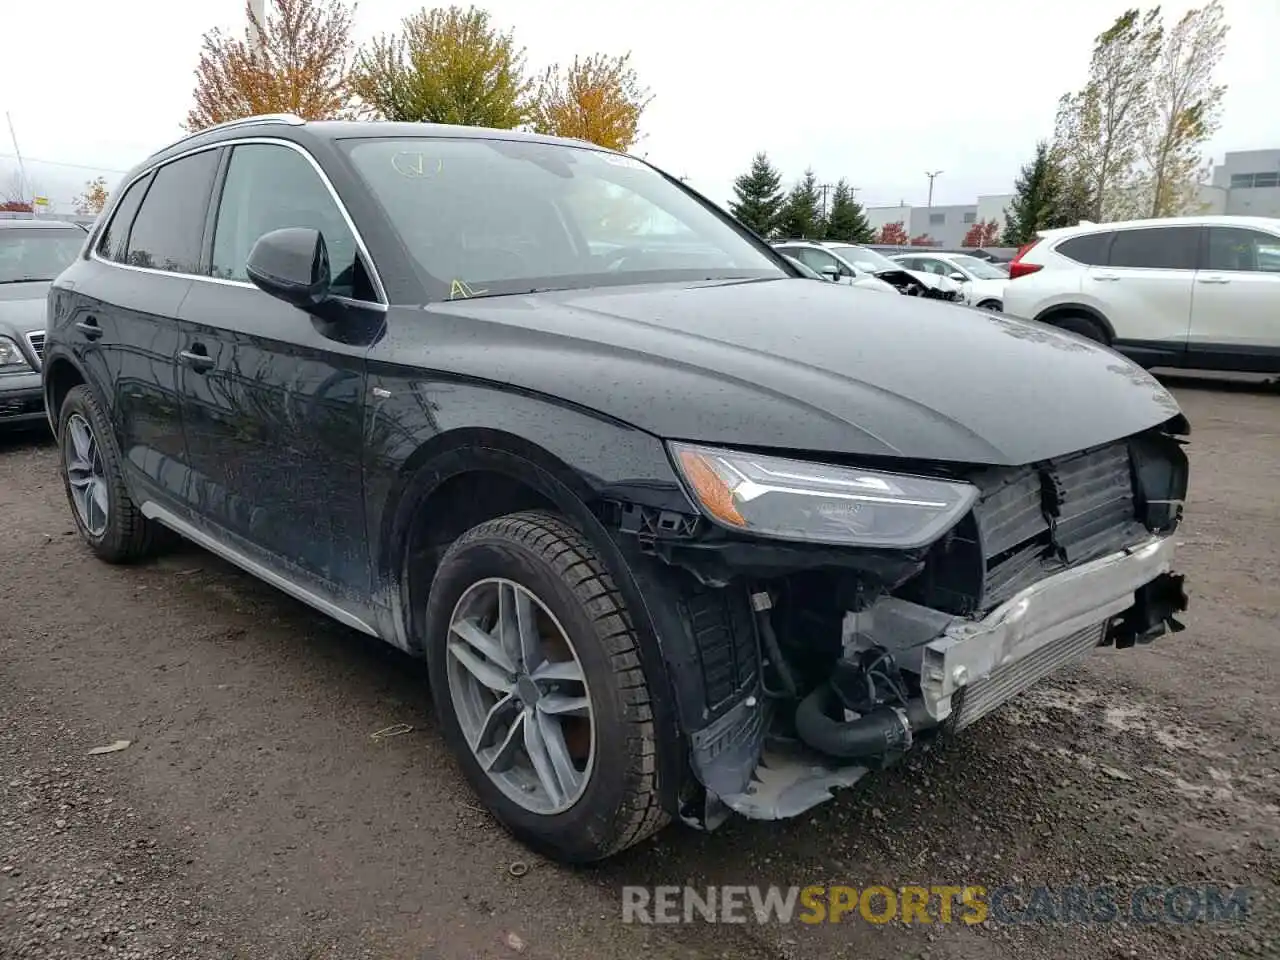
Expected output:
{"points": [[37, 253], [979, 268], [864, 258], [493, 217]]}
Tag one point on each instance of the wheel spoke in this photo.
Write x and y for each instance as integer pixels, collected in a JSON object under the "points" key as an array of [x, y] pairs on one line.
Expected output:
{"points": [[99, 494], [564, 670], [499, 759], [527, 628], [559, 705], [507, 629], [484, 643], [81, 440], [493, 722], [536, 746], [488, 674]]}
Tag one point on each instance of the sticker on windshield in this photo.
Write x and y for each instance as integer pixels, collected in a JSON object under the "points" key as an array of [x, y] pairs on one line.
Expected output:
{"points": [[415, 166]]}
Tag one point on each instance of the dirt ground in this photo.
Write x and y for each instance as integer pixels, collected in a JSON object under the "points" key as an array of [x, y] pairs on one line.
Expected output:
{"points": [[253, 815]]}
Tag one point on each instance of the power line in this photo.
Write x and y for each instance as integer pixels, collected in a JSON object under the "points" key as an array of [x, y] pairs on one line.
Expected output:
{"points": [[60, 163]]}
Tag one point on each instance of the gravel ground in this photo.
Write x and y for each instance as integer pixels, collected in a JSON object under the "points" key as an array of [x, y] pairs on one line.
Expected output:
{"points": [[252, 815]]}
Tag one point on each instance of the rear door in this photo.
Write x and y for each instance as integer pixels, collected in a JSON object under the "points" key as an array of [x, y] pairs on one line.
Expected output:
{"points": [[1235, 314], [273, 396], [1145, 287]]}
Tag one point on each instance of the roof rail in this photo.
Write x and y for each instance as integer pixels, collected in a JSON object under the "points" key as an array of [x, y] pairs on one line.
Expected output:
{"points": [[289, 118]]}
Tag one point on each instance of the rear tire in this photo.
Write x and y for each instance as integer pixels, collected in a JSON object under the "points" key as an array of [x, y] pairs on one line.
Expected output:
{"points": [[995, 306], [559, 575], [1084, 326], [111, 524]]}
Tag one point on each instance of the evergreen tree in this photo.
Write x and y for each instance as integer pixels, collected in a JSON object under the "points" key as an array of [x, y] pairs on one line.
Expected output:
{"points": [[1036, 201], [758, 196], [801, 214], [847, 221]]}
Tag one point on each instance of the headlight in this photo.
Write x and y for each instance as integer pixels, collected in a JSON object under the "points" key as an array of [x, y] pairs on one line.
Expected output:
{"points": [[11, 358], [818, 502]]}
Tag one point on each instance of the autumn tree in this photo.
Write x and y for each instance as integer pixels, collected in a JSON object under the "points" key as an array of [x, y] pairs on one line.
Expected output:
{"points": [[923, 240], [93, 199], [893, 235], [598, 99], [1185, 105], [801, 214], [757, 196], [296, 62], [447, 65], [847, 220], [983, 233], [16, 194], [1097, 129]]}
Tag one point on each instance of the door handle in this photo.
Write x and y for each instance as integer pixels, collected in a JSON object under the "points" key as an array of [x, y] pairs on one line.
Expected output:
{"points": [[1213, 280], [197, 360], [89, 327], [1105, 276]]}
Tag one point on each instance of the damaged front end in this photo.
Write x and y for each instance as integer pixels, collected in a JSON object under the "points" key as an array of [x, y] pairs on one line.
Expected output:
{"points": [[813, 636]]}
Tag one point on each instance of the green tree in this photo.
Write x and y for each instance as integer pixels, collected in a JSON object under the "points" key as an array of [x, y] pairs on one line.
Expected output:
{"points": [[447, 65], [1185, 105], [801, 214], [1036, 198], [598, 99], [757, 196], [847, 220], [1097, 130]]}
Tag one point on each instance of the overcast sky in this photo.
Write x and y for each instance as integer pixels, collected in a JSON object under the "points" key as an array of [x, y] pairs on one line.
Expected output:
{"points": [[875, 92]]}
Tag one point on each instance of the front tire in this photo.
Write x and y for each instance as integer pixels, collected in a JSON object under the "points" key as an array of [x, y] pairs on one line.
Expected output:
{"points": [[105, 515], [538, 687]]}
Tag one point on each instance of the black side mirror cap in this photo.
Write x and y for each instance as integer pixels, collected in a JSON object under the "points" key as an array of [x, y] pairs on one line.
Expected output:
{"points": [[292, 265]]}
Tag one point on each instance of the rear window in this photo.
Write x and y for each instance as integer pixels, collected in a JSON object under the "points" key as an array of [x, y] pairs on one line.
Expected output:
{"points": [[1090, 249]]}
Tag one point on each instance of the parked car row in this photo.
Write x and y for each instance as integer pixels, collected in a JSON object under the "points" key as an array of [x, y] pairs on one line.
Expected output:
{"points": [[861, 266]]}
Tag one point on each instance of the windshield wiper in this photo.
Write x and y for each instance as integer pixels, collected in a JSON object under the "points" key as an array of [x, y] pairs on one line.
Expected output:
{"points": [[29, 280]]}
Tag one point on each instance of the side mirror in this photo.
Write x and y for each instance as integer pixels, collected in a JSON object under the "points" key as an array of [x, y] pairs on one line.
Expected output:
{"points": [[959, 277], [292, 265], [831, 272]]}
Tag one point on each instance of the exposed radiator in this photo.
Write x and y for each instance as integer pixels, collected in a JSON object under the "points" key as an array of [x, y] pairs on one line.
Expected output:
{"points": [[982, 697]]}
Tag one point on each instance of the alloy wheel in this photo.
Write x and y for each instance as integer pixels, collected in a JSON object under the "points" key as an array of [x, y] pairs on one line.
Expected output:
{"points": [[86, 475], [520, 695]]}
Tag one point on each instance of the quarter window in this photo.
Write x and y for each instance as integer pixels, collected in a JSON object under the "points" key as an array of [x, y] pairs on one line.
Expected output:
{"points": [[114, 242], [1090, 249], [271, 187], [1233, 248], [169, 228], [1159, 248]]}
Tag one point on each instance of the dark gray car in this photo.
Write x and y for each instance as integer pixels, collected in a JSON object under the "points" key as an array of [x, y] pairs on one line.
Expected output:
{"points": [[32, 253]]}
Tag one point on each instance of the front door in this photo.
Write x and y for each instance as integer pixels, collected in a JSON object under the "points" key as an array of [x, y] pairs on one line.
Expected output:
{"points": [[1235, 313], [273, 406]]}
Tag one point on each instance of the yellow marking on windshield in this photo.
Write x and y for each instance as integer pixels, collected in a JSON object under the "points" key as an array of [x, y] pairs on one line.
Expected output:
{"points": [[461, 290], [416, 166]]}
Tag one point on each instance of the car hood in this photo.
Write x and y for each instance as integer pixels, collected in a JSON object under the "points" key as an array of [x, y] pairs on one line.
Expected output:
{"points": [[945, 284], [22, 307], [796, 366]]}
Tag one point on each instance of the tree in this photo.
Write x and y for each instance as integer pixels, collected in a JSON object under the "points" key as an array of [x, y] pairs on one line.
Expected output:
{"points": [[16, 195], [1036, 200], [893, 235], [923, 240], [1097, 129], [94, 197], [1185, 105], [758, 196], [981, 234], [448, 65], [847, 220], [296, 63], [598, 99], [801, 214]]}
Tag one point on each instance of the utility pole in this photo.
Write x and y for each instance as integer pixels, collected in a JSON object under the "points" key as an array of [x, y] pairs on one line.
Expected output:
{"points": [[824, 187], [932, 176], [22, 170]]}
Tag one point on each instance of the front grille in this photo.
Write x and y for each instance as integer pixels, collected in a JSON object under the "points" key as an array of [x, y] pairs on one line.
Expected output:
{"points": [[36, 341], [983, 696], [1034, 520]]}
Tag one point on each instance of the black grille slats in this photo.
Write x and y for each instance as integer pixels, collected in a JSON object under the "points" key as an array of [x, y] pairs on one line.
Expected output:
{"points": [[1098, 498], [36, 341]]}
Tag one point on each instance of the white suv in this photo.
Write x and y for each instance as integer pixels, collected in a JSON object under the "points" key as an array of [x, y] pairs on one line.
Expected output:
{"points": [[1200, 292]]}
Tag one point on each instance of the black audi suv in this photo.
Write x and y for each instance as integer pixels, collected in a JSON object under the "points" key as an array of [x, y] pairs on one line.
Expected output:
{"points": [[679, 532]]}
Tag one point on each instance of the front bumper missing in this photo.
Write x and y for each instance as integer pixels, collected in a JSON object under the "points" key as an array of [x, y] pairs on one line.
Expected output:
{"points": [[1071, 603]]}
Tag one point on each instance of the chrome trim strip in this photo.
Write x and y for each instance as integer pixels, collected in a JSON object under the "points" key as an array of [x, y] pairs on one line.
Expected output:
{"points": [[153, 511], [379, 289], [291, 119]]}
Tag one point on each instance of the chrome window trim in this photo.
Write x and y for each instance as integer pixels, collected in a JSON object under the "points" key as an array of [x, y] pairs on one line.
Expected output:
{"points": [[379, 290]]}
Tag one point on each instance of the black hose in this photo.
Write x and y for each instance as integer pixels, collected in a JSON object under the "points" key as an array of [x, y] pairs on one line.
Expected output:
{"points": [[775, 653], [875, 734]]}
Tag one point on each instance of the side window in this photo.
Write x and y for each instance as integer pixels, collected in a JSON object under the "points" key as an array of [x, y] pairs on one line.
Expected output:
{"points": [[816, 259], [1233, 248], [1092, 249], [936, 267], [114, 242], [169, 228], [270, 187], [1159, 248]]}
